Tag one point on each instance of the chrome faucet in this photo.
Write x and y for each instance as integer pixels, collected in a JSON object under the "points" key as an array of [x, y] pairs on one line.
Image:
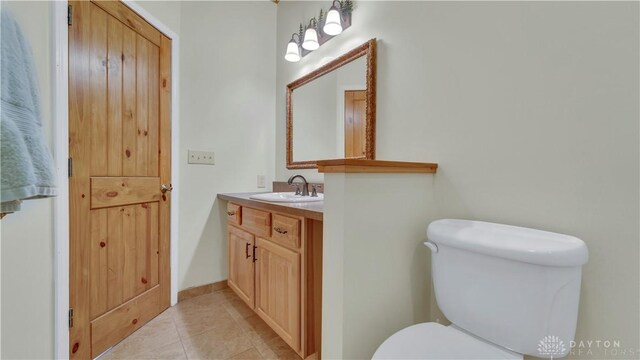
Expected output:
{"points": [[305, 187]]}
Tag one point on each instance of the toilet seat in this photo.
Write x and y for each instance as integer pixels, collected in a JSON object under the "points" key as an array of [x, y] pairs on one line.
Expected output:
{"points": [[435, 341]]}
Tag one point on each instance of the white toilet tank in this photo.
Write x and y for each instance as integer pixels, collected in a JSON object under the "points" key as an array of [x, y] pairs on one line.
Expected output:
{"points": [[515, 287]]}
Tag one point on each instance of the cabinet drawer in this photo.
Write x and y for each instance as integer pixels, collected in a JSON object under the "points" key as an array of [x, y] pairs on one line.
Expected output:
{"points": [[234, 213], [256, 221], [286, 231]]}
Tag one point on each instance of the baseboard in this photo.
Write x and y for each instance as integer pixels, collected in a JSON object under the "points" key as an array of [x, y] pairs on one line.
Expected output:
{"points": [[201, 290]]}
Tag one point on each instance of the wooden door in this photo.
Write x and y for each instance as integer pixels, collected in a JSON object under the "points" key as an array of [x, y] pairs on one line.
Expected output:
{"points": [[241, 264], [355, 105], [119, 144], [278, 290]]}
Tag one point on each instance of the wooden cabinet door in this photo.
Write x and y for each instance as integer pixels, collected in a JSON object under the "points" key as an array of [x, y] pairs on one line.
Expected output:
{"points": [[278, 290], [241, 264], [119, 148]]}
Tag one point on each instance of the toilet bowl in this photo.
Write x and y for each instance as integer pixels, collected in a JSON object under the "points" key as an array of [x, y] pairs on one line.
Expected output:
{"points": [[508, 291]]}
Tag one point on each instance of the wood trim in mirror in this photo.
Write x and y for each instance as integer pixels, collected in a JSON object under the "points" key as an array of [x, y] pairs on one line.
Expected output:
{"points": [[368, 49]]}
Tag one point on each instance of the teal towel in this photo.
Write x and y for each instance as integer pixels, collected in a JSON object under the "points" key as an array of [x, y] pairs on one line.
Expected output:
{"points": [[26, 165]]}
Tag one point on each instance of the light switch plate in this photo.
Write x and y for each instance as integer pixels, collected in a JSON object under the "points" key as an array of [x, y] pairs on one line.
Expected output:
{"points": [[201, 157], [261, 181]]}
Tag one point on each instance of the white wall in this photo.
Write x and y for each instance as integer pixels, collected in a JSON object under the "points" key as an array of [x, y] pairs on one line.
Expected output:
{"points": [[26, 246], [167, 12], [531, 110], [375, 267], [227, 106]]}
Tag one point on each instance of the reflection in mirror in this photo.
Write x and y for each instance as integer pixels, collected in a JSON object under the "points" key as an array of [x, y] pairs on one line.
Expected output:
{"points": [[331, 111], [329, 114]]}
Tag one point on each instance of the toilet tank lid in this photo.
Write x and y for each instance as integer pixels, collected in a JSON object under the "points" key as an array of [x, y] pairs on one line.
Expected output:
{"points": [[509, 242]]}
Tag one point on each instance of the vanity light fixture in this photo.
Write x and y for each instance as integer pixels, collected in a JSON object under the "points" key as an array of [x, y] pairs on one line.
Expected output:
{"points": [[293, 49], [333, 24], [320, 30], [311, 36]]}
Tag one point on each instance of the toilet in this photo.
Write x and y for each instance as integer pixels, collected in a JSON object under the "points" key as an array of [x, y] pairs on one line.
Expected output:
{"points": [[508, 291]]}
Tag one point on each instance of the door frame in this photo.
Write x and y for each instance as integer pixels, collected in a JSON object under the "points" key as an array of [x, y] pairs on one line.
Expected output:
{"points": [[60, 112]]}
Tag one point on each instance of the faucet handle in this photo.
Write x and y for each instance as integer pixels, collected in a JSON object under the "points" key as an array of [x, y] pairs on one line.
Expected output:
{"points": [[314, 190], [298, 192]]}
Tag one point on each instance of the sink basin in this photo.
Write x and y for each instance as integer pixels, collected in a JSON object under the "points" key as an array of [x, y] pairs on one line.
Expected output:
{"points": [[288, 197]]}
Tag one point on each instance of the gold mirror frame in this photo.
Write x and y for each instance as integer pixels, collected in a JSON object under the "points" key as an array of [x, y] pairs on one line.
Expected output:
{"points": [[368, 49]]}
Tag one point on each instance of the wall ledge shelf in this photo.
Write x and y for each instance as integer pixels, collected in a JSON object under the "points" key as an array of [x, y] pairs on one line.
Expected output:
{"points": [[374, 166]]}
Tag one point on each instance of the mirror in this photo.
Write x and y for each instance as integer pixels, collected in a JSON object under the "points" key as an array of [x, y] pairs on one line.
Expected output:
{"points": [[331, 111]]}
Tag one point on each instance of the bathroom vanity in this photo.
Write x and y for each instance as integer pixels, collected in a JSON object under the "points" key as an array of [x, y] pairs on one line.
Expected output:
{"points": [[275, 265], [276, 248]]}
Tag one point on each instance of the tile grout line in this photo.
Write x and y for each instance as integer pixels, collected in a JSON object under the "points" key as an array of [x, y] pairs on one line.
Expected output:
{"points": [[244, 332], [250, 333], [175, 323], [224, 303], [256, 341], [175, 326]]}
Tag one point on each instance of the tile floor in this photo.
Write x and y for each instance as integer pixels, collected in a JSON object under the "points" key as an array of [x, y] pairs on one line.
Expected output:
{"points": [[218, 325]]}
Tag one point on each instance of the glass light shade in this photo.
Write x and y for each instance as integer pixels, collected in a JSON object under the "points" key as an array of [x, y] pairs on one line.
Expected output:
{"points": [[333, 24], [293, 52], [310, 40]]}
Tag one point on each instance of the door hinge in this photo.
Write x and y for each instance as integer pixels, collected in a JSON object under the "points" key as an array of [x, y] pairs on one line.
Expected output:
{"points": [[70, 167], [70, 317], [69, 15]]}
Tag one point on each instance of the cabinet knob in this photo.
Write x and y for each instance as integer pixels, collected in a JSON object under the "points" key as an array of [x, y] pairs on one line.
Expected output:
{"points": [[231, 213], [246, 250]]}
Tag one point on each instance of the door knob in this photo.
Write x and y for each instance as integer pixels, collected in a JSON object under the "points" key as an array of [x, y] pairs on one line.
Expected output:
{"points": [[164, 188]]}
